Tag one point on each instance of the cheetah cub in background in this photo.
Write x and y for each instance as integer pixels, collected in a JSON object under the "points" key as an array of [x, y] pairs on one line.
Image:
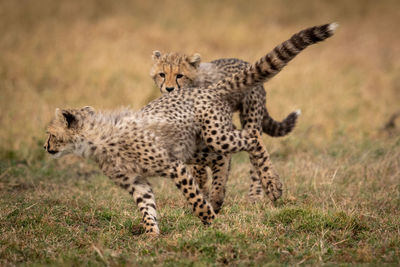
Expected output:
{"points": [[191, 126]]}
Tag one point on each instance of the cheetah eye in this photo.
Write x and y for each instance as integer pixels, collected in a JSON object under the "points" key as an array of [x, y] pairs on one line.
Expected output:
{"points": [[162, 75], [178, 76]]}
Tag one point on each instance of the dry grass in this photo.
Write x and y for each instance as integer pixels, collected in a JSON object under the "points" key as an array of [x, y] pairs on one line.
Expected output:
{"points": [[341, 171]]}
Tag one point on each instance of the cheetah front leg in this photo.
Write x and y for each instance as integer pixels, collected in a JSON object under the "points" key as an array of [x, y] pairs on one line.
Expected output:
{"points": [[184, 181], [140, 189]]}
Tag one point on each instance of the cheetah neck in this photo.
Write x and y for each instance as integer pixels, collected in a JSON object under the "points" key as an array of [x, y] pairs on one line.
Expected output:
{"points": [[90, 142], [100, 133], [207, 74]]}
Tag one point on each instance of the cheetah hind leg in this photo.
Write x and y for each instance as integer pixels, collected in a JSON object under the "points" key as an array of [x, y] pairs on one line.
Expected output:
{"points": [[185, 182], [243, 140], [220, 167], [220, 170], [261, 161], [201, 176], [256, 187]]}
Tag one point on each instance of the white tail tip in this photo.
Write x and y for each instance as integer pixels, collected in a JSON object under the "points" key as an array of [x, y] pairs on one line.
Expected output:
{"points": [[298, 112], [333, 26]]}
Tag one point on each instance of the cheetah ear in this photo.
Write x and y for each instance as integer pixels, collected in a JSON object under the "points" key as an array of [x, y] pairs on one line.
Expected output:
{"points": [[66, 116], [194, 60], [70, 119], [156, 55]]}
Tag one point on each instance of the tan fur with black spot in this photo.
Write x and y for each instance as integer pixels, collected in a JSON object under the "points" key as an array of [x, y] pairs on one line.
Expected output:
{"points": [[187, 126]]}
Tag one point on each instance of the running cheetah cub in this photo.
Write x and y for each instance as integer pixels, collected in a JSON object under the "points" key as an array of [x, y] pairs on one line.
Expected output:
{"points": [[191, 126]]}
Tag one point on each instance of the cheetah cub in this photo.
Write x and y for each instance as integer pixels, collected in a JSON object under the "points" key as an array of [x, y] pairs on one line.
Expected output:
{"points": [[191, 126], [172, 71]]}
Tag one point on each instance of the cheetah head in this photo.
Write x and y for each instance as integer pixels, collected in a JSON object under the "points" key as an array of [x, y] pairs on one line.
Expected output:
{"points": [[173, 71], [64, 131]]}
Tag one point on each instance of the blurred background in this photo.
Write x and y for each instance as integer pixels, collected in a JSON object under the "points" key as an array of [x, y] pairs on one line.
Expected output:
{"points": [[340, 167], [97, 52]]}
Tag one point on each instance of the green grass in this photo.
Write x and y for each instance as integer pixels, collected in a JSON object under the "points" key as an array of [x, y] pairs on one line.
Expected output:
{"points": [[67, 213]]}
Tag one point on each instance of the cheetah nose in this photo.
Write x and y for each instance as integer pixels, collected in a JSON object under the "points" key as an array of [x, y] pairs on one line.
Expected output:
{"points": [[169, 89]]}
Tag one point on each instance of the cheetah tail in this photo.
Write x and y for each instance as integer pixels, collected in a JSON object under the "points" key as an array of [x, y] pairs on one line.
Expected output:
{"points": [[279, 128], [272, 63]]}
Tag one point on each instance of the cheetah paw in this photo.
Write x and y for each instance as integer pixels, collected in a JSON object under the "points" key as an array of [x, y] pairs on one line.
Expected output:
{"points": [[274, 190]]}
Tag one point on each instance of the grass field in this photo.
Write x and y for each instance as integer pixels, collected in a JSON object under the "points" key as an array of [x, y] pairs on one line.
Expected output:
{"points": [[340, 167]]}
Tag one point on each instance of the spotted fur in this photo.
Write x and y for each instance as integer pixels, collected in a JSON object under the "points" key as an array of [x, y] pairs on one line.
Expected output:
{"points": [[190, 126], [173, 71]]}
